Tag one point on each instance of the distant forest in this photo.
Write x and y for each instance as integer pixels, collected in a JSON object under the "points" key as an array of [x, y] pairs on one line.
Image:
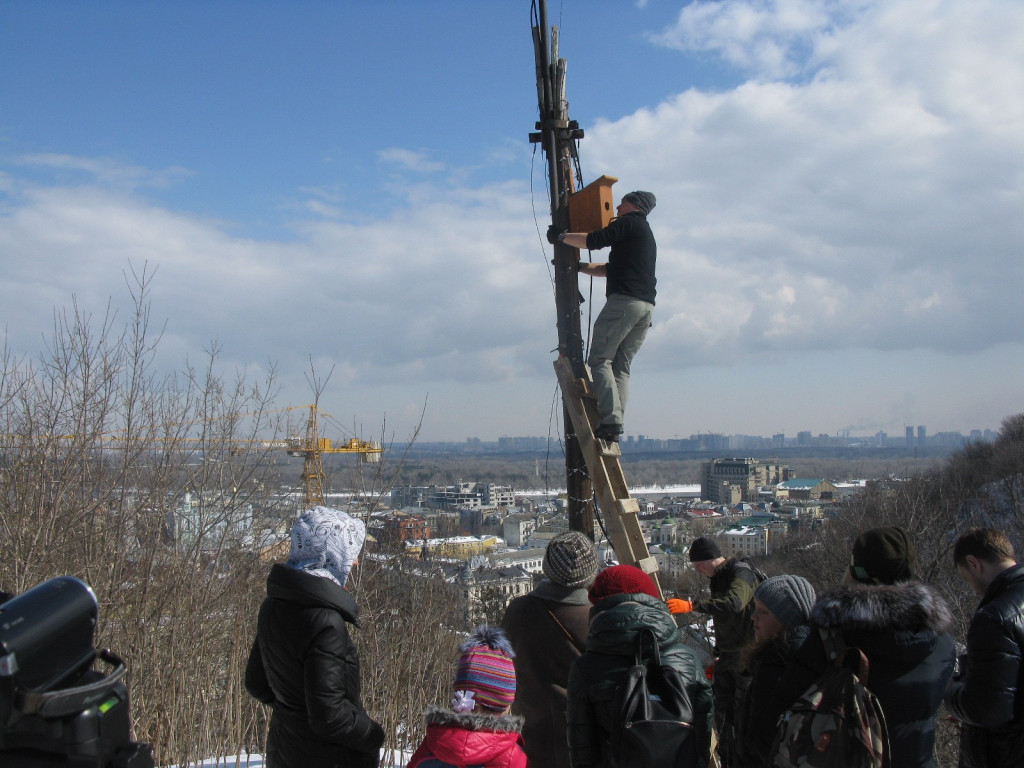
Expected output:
{"points": [[539, 471]]}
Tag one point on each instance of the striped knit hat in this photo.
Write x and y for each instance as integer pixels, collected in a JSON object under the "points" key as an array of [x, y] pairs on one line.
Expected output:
{"points": [[485, 673]]}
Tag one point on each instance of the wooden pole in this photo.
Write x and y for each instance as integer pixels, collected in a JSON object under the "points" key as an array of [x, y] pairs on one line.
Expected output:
{"points": [[557, 135]]}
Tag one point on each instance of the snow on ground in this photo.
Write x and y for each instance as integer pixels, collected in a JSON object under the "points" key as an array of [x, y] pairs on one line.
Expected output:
{"points": [[389, 759]]}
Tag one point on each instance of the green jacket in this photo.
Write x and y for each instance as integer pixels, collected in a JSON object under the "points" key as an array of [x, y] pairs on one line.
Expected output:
{"points": [[611, 645], [731, 604]]}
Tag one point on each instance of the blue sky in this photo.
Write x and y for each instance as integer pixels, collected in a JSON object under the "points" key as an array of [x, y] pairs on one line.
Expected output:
{"points": [[839, 185]]}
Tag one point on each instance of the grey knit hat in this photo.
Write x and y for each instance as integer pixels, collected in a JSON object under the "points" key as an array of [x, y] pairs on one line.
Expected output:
{"points": [[570, 560], [790, 598], [644, 201]]}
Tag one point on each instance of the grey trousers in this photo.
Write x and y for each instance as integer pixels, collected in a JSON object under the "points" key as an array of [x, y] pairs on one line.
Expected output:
{"points": [[618, 334]]}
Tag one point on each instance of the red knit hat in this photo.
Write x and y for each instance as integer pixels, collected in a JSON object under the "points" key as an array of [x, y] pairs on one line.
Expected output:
{"points": [[622, 580]]}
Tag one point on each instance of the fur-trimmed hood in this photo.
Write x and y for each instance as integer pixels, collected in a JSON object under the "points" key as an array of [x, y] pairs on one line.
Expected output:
{"points": [[474, 721], [471, 738], [909, 606]]}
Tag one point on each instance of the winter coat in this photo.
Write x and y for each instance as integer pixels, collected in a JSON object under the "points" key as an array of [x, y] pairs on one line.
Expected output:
{"points": [[306, 667], [903, 630], [987, 696], [460, 739], [731, 605], [615, 623], [758, 704], [548, 630]]}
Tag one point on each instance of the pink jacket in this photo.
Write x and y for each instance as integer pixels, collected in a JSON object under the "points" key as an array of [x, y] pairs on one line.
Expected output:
{"points": [[457, 739]]}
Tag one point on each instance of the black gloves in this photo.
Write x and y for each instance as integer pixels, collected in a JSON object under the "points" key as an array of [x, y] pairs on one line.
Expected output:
{"points": [[555, 235]]}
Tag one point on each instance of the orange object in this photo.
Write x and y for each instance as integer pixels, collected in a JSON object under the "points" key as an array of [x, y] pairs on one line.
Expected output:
{"points": [[676, 605], [593, 207]]}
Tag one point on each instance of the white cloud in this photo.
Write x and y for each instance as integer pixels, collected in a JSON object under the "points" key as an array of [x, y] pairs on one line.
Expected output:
{"points": [[447, 291], [873, 204], [410, 160], [851, 209], [105, 170]]}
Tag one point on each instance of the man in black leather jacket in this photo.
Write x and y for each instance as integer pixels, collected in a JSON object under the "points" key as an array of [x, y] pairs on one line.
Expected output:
{"points": [[986, 696]]}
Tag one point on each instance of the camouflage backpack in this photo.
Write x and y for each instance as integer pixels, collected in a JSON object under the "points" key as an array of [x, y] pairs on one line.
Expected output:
{"points": [[837, 722]]}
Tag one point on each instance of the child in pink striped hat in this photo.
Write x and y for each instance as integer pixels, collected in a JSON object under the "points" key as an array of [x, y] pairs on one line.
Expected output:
{"points": [[478, 729]]}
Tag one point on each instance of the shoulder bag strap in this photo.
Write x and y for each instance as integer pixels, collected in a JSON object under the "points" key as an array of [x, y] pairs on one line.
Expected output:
{"points": [[567, 633]]}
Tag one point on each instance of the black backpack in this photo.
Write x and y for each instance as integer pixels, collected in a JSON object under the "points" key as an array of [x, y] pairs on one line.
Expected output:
{"points": [[837, 722], [653, 724], [759, 575]]}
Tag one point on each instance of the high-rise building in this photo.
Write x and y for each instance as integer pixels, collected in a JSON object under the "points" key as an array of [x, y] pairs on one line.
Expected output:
{"points": [[727, 481]]}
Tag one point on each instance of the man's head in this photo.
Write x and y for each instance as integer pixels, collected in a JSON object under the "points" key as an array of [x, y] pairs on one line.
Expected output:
{"points": [[980, 555], [643, 202], [705, 556], [571, 560]]}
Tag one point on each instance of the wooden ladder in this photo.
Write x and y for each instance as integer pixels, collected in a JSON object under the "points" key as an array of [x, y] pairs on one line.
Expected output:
{"points": [[620, 510]]}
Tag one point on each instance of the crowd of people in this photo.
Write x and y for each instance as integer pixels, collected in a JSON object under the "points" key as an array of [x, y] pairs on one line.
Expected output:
{"points": [[542, 689]]}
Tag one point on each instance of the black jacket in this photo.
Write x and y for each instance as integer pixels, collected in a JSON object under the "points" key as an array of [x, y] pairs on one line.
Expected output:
{"points": [[903, 630], [632, 259], [611, 646], [987, 695], [306, 667], [758, 704]]}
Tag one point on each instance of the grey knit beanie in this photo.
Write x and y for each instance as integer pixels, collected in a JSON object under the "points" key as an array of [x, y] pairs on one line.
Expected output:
{"points": [[790, 598], [570, 560], [644, 201]]}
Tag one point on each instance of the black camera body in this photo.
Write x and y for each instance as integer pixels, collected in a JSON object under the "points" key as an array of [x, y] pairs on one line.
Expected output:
{"points": [[55, 709]]}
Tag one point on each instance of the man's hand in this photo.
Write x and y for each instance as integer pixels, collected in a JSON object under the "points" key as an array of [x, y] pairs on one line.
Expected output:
{"points": [[555, 235], [676, 605]]}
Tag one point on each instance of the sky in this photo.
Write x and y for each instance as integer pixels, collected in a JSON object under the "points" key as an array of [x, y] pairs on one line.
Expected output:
{"points": [[346, 189]]}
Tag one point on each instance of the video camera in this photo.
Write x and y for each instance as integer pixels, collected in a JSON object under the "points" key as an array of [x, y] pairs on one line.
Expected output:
{"points": [[55, 709]]}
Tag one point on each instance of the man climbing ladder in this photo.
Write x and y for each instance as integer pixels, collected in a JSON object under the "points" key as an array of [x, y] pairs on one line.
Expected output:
{"points": [[622, 325]]}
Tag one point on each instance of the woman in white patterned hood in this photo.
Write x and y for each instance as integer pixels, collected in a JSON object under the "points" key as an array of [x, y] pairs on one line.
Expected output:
{"points": [[303, 662], [326, 542]]}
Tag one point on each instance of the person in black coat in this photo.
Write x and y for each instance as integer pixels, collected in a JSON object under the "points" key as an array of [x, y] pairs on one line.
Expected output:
{"points": [[987, 696], [626, 601], [902, 626], [782, 609], [303, 662]]}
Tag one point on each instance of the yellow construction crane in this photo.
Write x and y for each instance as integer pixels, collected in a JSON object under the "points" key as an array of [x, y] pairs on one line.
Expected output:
{"points": [[312, 448]]}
